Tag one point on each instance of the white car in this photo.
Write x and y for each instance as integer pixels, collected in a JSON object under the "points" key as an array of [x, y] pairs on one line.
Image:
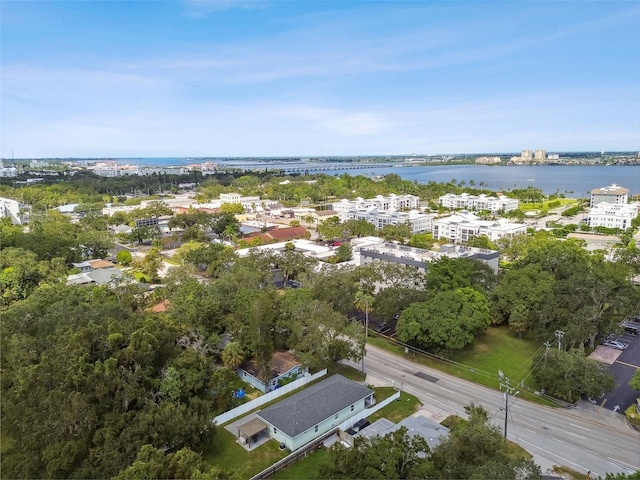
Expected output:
{"points": [[614, 344]]}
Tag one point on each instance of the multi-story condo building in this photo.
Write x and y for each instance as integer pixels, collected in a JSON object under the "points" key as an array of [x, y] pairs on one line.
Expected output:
{"points": [[488, 160], [613, 194], [12, 209], [479, 202], [464, 225], [250, 204], [612, 215], [7, 171], [418, 222], [390, 202], [540, 155]]}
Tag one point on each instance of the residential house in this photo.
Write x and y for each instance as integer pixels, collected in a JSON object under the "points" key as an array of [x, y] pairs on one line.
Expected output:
{"points": [[280, 234], [306, 415], [284, 366], [102, 276]]}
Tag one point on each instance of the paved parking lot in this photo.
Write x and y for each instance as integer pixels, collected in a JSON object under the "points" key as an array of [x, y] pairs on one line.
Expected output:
{"points": [[623, 369]]}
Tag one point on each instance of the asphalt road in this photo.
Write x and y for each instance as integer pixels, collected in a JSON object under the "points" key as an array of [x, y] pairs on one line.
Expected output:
{"points": [[583, 438]]}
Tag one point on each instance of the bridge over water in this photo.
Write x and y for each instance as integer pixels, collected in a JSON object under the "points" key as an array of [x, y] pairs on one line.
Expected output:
{"points": [[322, 167]]}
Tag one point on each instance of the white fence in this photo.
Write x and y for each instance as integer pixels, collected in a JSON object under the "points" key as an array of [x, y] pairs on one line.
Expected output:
{"points": [[348, 423], [267, 397]]}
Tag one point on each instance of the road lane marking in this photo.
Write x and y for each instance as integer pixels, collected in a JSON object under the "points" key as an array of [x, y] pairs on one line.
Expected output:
{"points": [[529, 430], [578, 426], [558, 440], [576, 435], [447, 390]]}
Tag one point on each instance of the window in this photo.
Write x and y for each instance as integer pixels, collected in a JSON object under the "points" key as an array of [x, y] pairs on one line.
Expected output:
{"points": [[336, 417], [316, 430], [352, 407], [275, 430]]}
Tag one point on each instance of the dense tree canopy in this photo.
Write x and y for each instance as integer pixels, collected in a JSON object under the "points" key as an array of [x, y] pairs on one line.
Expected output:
{"points": [[448, 321], [87, 381], [558, 285], [569, 374]]}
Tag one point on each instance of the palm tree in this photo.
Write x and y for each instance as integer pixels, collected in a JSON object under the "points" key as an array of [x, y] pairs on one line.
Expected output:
{"points": [[232, 355], [363, 303], [309, 219], [230, 231]]}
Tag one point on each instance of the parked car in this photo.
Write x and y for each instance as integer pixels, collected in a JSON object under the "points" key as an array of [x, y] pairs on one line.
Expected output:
{"points": [[381, 327], [358, 426], [611, 344], [620, 344]]}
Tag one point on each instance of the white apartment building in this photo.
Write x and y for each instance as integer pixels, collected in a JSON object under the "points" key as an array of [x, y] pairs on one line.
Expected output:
{"points": [[390, 202], [418, 222], [479, 202], [113, 169], [464, 225], [11, 208], [613, 194], [488, 160], [250, 204], [612, 215]]}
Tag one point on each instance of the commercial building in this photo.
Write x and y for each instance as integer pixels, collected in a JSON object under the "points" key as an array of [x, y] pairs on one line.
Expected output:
{"points": [[464, 225], [488, 160], [612, 215], [479, 202], [613, 194]]}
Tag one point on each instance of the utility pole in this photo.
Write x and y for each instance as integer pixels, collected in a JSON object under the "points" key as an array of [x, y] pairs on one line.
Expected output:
{"points": [[508, 390], [559, 334], [546, 349]]}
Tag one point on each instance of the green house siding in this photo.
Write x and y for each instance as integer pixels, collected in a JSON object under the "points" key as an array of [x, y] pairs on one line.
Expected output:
{"points": [[322, 427], [310, 413]]}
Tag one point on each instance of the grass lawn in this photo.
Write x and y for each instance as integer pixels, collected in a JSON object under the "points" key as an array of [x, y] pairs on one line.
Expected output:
{"points": [[346, 371], [545, 205], [497, 349], [398, 410], [382, 393], [226, 453], [5, 442], [306, 468]]}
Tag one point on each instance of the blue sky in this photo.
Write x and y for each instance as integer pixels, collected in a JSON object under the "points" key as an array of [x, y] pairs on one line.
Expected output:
{"points": [[260, 78]]}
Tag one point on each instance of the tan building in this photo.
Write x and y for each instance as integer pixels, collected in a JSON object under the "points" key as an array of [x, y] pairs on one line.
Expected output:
{"points": [[613, 194]]}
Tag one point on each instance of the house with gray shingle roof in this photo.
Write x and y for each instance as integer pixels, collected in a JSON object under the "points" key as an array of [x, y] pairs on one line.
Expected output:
{"points": [[303, 417]]}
